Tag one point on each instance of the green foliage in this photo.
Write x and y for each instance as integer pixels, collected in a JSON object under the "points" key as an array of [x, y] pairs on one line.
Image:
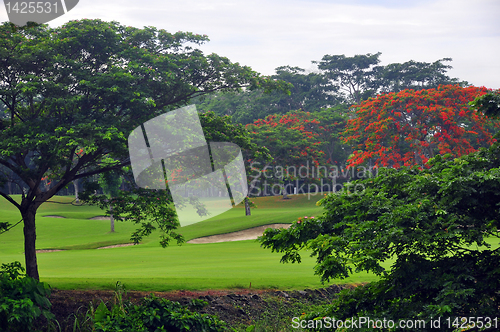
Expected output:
{"points": [[72, 94], [110, 183], [489, 103], [155, 314], [153, 209], [22, 299], [358, 78], [307, 92], [433, 224], [354, 76], [415, 75], [150, 209]]}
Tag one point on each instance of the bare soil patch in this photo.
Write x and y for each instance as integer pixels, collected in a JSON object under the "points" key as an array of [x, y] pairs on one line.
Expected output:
{"points": [[247, 234]]}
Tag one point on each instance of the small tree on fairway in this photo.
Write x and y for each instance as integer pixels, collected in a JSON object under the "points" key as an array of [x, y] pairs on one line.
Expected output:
{"points": [[87, 85], [248, 206], [110, 183]]}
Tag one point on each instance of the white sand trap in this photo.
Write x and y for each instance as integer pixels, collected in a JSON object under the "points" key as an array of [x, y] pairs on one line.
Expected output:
{"points": [[247, 234], [107, 247], [117, 246], [48, 250], [100, 218]]}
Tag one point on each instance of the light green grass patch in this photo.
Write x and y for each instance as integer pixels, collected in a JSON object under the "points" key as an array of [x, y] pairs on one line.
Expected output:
{"points": [[150, 267]]}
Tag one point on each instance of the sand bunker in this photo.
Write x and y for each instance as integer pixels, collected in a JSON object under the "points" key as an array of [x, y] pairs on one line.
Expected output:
{"points": [[247, 234], [100, 218], [117, 246], [48, 250], [106, 247]]}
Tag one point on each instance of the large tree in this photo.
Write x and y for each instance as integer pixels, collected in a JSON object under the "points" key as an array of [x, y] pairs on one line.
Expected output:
{"points": [[359, 77], [87, 85], [292, 142], [353, 75], [415, 75], [434, 227], [409, 127], [303, 145]]}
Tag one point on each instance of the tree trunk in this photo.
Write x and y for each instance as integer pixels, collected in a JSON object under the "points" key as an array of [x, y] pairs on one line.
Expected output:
{"points": [[29, 241], [285, 194], [247, 207], [111, 219], [75, 184]]}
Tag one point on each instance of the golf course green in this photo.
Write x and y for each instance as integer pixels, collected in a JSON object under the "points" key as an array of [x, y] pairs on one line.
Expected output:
{"points": [[240, 264]]}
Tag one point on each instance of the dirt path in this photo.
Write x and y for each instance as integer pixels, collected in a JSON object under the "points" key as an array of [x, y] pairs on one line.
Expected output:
{"points": [[247, 234]]}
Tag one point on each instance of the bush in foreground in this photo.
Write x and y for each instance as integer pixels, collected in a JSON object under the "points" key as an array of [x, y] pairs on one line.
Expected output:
{"points": [[154, 314], [22, 299], [433, 225]]}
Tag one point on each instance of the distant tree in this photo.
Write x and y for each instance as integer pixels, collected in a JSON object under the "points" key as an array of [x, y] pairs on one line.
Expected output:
{"points": [[110, 183], [332, 123], [249, 205], [410, 127], [301, 139], [414, 75], [359, 77], [308, 92], [354, 76]]}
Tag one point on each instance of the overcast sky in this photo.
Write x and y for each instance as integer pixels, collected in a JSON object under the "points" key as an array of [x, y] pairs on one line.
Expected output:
{"points": [[267, 34]]}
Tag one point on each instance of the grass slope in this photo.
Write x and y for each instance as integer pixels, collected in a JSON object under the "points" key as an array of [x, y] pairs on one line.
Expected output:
{"points": [[150, 267]]}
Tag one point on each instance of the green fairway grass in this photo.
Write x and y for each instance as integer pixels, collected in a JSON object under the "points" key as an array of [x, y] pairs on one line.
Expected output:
{"points": [[149, 267], [191, 266]]}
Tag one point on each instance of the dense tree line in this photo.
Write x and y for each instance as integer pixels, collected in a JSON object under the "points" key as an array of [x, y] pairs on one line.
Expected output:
{"points": [[338, 80]]}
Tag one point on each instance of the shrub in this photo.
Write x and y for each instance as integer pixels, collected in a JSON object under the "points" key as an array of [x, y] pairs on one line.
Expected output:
{"points": [[22, 299], [155, 314]]}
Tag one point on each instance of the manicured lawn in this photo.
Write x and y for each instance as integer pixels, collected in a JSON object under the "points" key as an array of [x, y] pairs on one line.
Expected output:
{"points": [[150, 267], [191, 266]]}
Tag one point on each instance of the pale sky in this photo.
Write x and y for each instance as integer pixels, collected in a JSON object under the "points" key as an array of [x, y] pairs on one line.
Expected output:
{"points": [[267, 34]]}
